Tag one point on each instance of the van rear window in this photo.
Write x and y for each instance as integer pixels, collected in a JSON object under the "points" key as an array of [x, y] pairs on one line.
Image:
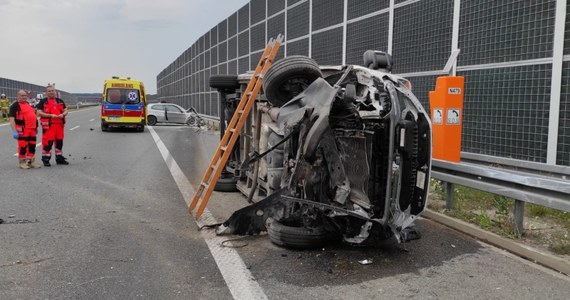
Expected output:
{"points": [[123, 96]]}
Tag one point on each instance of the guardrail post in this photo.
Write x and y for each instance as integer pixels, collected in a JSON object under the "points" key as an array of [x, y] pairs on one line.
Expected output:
{"points": [[519, 217], [449, 199]]}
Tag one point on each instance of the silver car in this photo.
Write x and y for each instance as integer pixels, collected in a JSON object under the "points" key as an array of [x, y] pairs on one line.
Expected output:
{"points": [[170, 113]]}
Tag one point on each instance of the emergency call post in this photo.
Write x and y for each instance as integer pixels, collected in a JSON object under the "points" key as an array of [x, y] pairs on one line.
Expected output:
{"points": [[446, 105]]}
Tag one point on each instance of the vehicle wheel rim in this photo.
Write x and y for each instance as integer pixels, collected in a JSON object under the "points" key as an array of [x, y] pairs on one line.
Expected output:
{"points": [[191, 121]]}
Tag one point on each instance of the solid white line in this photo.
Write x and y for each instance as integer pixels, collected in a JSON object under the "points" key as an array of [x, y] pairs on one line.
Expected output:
{"points": [[239, 279], [74, 128], [91, 120]]}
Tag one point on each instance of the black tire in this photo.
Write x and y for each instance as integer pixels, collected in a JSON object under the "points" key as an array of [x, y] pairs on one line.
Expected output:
{"points": [[140, 129], [226, 184], [151, 120], [299, 237], [288, 77], [224, 82], [191, 121], [104, 127]]}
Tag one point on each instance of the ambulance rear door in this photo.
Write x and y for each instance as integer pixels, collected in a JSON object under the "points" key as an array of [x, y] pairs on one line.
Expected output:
{"points": [[113, 106]]}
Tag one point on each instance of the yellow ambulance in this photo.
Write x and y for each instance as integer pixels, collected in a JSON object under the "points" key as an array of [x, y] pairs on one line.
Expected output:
{"points": [[124, 104]]}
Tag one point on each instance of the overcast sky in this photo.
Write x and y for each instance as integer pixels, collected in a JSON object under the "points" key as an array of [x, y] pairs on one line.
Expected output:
{"points": [[79, 43]]}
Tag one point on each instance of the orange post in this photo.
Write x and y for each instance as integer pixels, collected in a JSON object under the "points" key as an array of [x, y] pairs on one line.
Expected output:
{"points": [[446, 104]]}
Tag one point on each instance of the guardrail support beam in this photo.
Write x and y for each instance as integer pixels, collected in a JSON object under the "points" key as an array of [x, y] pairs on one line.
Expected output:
{"points": [[449, 199], [519, 217]]}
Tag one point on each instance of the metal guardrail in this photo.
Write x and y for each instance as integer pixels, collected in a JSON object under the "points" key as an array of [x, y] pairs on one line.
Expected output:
{"points": [[85, 104], [551, 190]]}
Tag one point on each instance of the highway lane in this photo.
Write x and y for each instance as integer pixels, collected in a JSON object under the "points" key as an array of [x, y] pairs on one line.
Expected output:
{"points": [[443, 264], [113, 225]]}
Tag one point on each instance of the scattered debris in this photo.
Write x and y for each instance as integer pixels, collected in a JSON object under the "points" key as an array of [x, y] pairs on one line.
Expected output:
{"points": [[22, 221], [367, 261], [231, 243]]}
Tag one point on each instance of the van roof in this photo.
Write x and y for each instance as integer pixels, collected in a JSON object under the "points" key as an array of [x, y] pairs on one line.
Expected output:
{"points": [[121, 79], [116, 82]]}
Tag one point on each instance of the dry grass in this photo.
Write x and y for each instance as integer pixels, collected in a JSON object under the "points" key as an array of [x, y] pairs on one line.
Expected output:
{"points": [[544, 228]]}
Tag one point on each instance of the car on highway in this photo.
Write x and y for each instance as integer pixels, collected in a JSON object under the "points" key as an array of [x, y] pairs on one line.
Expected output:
{"points": [[123, 104], [171, 113], [344, 155]]}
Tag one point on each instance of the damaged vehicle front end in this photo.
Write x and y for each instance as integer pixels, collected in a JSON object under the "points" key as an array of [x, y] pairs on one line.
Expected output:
{"points": [[345, 154]]}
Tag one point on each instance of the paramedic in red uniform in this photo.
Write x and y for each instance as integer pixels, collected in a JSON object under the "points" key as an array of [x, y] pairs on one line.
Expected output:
{"points": [[24, 128], [52, 112]]}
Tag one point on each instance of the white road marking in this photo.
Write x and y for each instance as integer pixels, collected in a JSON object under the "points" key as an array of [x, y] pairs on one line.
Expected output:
{"points": [[74, 128], [91, 120], [239, 279]]}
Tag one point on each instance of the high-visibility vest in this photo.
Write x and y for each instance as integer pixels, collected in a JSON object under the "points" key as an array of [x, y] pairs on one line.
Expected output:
{"points": [[51, 107], [19, 118]]}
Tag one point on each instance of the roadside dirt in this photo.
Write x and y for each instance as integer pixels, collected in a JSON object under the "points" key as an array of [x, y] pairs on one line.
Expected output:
{"points": [[541, 233]]}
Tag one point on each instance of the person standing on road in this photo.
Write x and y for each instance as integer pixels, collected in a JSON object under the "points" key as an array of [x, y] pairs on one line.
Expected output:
{"points": [[33, 102], [4, 106], [24, 124], [52, 112]]}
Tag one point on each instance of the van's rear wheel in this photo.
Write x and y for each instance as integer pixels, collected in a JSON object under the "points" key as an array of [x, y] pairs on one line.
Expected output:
{"points": [[224, 81], [104, 127], [226, 184], [151, 120]]}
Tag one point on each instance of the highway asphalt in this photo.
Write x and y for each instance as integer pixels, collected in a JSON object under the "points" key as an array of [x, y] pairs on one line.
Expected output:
{"points": [[114, 225]]}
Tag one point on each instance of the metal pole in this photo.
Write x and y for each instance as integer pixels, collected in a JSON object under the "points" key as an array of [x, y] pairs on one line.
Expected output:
{"points": [[519, 217], [556, 82], [449, 199]]}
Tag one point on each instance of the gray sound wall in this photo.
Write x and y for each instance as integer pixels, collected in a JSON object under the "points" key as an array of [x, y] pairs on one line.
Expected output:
{"points": [[514, 54], [10, 87]]}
